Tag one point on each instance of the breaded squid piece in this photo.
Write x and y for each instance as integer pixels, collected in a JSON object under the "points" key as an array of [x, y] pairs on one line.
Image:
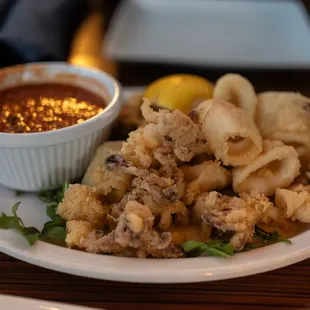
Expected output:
{"points": [[166, 185], [76, 230], [230, 132], [112, 183], [178, 130], [96, 243], [134, 195], [163, 211], [295, 204], [277, 166], [285, 116], [138, 150], [175, 127], [149, 175], [178, 209], [233, 214], [134, 230], [81, 203], [204, 177], [165, 128], [274, 216], [237, 90]]}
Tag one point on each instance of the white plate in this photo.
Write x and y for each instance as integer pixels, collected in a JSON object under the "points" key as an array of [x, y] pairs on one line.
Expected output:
{"points": [[133, 269], [239, 33], [18, 303]]}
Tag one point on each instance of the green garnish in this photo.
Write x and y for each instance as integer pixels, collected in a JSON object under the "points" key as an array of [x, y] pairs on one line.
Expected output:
{"points": [[56, 228], [51, 210], [9, 222], [222, 249], [52, 230], [54, 196], [57, 233], [265, 238], [19, 193], [212, 248], [269, 237]]}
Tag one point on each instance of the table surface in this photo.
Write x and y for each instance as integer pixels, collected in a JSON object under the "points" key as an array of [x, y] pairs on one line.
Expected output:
{"points": [[286, 288]]}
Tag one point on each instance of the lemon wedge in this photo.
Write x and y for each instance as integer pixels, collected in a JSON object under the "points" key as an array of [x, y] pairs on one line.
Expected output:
{"points": [[179, 91]]}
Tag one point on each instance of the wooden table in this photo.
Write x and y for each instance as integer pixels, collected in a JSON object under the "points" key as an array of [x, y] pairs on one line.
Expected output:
{"points": [[286, 288]]}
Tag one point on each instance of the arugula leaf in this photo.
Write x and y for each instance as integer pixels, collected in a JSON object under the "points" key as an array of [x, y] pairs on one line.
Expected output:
{"points": [[51, 211], [192, 246], [226, 247], [14, 222], [212, 248], [269, 237], [8, 222], [265, 238], [15, 208], [31, 234], [58, 233], [65, 187], [54, 196], [54, 229]]}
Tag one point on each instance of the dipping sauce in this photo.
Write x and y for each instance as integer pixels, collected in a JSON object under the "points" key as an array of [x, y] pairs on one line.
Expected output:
{"points": [[45, 107]]}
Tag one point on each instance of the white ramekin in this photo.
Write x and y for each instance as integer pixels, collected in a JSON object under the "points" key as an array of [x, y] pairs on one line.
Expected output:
{"points": [[45, 160]]}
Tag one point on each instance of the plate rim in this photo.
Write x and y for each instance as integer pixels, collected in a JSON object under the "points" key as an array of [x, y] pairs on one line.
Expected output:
{"points": [[142, 273]]}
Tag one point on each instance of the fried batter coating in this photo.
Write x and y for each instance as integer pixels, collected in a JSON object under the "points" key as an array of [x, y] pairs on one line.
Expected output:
{"points": [[76, 230], [110, 182], [134, 195], [149, 175], [134, 230], [163, 211], [81, 203], [165, 128], [137, 150], [166, 185], [274, 216], [295, 204], [204, 177], [233, 214]]}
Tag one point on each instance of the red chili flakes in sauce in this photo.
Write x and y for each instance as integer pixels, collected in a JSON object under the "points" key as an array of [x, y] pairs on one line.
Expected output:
{"points": [[45, 107]]}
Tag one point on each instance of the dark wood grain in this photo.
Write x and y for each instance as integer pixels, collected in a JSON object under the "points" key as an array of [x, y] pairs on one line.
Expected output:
{"points": [[286, 288]]}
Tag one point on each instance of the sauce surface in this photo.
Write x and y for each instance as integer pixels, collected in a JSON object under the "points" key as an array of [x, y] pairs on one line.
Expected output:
{"points": [[45, 107]]}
